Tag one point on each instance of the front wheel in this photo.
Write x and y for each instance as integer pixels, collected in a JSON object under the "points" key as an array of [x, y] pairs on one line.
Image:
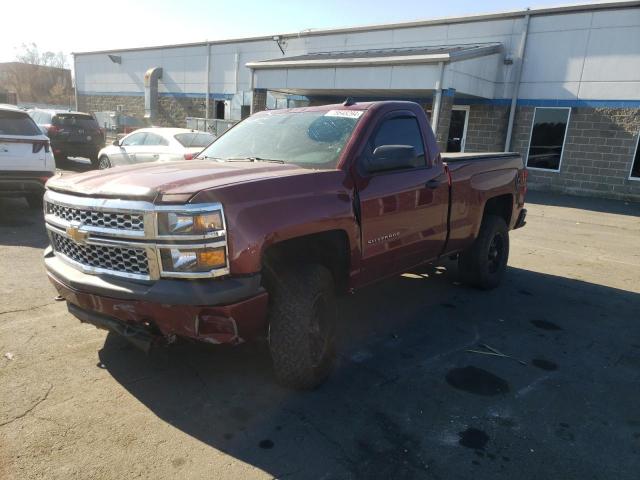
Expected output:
{"points": [[484, 264], [104, 162], [302, 326]]}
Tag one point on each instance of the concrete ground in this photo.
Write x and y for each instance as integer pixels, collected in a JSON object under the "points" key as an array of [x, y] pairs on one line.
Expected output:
{"points": [[407, 399]]}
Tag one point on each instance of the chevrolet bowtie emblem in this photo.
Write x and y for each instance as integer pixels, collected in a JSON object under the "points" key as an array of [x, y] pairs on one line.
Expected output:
{"points": [[76, 234]]}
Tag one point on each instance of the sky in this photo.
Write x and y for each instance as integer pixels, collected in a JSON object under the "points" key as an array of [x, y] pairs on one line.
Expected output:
{"points": [[80, 26]]}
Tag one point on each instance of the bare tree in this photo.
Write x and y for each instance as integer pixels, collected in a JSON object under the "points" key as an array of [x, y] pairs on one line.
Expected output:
{"points": [[30, 53], [41, 77]]}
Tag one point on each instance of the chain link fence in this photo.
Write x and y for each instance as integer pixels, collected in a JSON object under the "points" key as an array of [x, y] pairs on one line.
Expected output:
{"points": [[213, 125]]}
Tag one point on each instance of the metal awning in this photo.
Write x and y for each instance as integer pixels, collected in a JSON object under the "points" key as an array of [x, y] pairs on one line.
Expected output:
{"points": [[391, 56]]}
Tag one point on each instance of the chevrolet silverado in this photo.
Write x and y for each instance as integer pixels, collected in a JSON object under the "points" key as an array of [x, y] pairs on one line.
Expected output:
{"points": [[256, 237]]}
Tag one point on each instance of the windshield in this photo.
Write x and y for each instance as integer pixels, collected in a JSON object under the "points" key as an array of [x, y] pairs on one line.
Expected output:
{"points": [[307, 139]]}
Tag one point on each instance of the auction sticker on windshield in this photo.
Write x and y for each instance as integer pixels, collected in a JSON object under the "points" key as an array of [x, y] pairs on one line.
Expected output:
{"points": [[344, 113]]}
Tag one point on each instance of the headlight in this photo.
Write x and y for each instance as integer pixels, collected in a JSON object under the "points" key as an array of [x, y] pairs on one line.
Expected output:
{"points": [[177, 223], [198, 260]]}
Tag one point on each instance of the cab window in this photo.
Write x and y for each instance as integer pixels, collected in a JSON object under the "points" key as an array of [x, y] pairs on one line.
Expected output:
{"points": [[398, 131]]}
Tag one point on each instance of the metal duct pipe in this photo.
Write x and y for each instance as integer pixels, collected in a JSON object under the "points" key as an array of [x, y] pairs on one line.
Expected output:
{"points": [[516, 83], [435, 113], [151, 92], [75, 80], [206, 103]]}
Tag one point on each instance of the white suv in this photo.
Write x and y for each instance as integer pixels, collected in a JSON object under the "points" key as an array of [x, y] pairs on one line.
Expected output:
{"points": [[26, 161]]}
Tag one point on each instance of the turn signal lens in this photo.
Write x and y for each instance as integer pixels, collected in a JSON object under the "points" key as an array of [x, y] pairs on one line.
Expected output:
{"points": [[212, 257]]}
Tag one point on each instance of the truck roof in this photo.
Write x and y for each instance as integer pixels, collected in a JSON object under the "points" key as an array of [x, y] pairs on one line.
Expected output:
{"points": [[342, 106]]}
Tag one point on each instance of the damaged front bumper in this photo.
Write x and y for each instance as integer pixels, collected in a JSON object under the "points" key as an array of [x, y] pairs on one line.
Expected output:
{"points": [[229, 311]]}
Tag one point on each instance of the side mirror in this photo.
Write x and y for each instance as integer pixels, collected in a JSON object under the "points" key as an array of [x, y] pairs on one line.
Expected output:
{"points": [[392, 157], [116, 143]]}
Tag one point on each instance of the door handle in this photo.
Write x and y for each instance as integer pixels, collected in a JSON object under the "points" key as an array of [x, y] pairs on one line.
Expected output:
{"points": [[156, 155]]}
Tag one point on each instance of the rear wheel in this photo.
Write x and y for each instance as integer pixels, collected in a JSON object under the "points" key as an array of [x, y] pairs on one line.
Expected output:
{"points": [[302, 326], [484, 264], [34, 200], [104, 162]]}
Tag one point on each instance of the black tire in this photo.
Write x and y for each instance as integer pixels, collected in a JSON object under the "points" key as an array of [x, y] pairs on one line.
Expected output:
{"points": [[35, 200], [484, 264], [302, 326], [103, 163], [60, 160]]}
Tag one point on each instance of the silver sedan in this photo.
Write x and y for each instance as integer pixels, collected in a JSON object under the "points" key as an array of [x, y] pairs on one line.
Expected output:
{"points": [[154, 145]]}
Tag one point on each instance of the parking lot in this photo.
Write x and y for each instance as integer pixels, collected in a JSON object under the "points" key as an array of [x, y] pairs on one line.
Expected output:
{"points": [[408, 399]]}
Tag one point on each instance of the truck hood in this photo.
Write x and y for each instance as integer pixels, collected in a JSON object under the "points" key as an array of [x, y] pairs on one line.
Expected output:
{"points": [[147, 181]]}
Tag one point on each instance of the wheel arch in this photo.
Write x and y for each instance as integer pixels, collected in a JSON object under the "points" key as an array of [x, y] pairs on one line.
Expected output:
{"points": [[330, 248], [500, 205]]}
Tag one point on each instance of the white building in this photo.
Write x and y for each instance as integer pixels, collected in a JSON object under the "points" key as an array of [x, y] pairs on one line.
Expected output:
{"points": [[571, 73]]}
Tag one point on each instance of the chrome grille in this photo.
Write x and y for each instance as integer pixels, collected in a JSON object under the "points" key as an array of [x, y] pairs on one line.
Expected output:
{"points": [[117, 259], [121, 221]]}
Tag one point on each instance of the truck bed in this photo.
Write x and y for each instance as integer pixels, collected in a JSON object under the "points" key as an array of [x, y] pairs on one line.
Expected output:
{"points": [[458, 157], [474, 178]]}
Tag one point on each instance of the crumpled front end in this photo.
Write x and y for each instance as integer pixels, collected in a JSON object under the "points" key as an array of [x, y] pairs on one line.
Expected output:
{"points": [[151, 273]]}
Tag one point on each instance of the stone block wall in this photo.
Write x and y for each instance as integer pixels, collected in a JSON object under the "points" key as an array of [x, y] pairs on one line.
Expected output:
{"points": [[487, 128], [172, 111], [598, 153], [522, 130], [597, 157], [444, 119], [132, 105]]}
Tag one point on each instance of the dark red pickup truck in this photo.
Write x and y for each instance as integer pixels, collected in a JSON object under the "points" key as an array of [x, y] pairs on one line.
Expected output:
{"points": [[277, 216]]}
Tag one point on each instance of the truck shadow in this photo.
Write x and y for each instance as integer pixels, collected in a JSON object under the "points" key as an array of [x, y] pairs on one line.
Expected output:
{"points": [[583, 203], [392, 409]]}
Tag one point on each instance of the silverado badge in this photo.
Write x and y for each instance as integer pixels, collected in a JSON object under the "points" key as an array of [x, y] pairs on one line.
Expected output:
{"points": [[76, 234], [384, 238]]}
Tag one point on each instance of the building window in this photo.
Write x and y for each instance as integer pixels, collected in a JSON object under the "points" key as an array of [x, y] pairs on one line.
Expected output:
{"points": [[548, 133], [635, 165]]}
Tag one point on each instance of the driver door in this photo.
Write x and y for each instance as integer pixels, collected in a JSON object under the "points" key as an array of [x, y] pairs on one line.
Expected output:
{"points": [[403, 212]]}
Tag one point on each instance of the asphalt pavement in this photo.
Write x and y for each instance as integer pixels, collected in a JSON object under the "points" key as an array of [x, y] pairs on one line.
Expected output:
{"points": [[408, 399]]}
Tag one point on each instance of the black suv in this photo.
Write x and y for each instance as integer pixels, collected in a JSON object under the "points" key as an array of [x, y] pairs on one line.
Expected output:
{"points": [[72, 134]]}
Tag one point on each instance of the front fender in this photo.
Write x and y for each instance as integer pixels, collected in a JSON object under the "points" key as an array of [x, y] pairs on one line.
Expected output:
{"points": [[264, 212]]}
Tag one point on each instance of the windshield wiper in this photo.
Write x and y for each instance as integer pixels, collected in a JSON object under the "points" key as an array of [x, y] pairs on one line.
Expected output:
{"points": [[206, 157], [253, 159]]}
